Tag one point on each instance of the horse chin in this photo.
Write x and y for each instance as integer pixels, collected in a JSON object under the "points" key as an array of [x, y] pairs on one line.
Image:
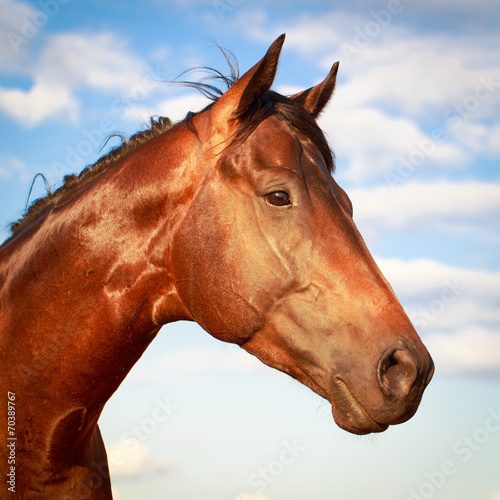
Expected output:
{"points": [[350, 414]]}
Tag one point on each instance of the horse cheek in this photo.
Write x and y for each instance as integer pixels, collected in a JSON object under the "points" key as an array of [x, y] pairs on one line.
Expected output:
{"points": [[205, 271]]}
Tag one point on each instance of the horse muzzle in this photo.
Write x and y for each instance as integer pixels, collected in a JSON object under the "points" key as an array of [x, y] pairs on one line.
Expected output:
{"points": [[400, 376]]}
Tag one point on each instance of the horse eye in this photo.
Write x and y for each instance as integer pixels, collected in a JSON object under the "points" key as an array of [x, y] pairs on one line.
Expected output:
{"points": [[278, 198]]}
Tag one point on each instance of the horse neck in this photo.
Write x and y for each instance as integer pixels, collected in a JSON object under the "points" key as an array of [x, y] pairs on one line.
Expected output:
{"points": [[89, 286]]}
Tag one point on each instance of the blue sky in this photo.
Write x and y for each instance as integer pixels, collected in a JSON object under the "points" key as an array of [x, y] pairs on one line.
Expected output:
{"points": [[416, 130]]}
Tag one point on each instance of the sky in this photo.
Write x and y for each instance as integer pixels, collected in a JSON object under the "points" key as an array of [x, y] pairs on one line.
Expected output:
{"points": [[415, 127]]}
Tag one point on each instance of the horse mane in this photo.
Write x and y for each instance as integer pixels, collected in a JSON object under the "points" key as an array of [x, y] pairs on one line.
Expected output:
{"points": [[269, 104], [71, 182]]}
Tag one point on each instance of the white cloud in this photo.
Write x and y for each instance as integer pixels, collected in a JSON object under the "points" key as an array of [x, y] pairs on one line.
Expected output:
{"points": [[479, 138], [436, 204], [128, 461], [376, 144], [395, 86], [439, 297], [70, 62], [97, 60], [455, 310], [414, 74], [473, 294], [424, 276], [392, 81], [392, 65], [12, 25], [468, 351], [177, 108], [40, 103]]}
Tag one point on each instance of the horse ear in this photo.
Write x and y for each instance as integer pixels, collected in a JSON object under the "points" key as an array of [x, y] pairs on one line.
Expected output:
{"points": [[315, 99], [252, 85]]}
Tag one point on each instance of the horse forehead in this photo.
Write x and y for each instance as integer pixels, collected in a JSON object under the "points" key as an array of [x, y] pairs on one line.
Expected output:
{"points": [[273, 143]]}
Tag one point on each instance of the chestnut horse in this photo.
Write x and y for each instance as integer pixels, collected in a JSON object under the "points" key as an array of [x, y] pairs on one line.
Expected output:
{"points": [[230, 218]]}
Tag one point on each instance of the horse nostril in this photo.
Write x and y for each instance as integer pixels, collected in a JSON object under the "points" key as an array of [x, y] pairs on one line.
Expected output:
{"points": [[397, 372]]}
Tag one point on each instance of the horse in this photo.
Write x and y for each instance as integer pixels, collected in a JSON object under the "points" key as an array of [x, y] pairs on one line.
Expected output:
{"points": [[230, 218]]}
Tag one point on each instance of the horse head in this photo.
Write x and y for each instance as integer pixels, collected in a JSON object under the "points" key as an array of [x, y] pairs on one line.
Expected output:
{"points": [[267, 256]]}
